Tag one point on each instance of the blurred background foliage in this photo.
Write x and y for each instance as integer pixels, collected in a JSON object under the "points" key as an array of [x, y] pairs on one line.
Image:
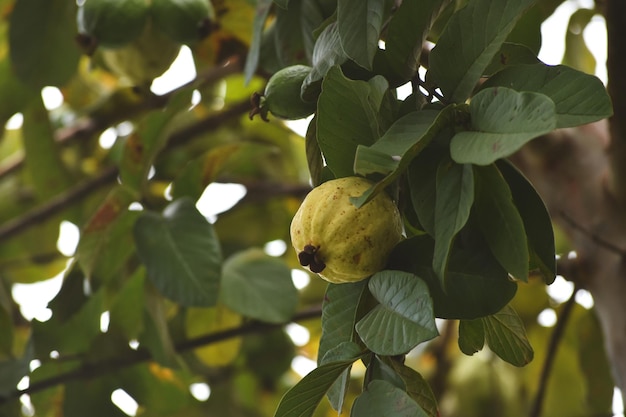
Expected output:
{"points": [[60, 162]]}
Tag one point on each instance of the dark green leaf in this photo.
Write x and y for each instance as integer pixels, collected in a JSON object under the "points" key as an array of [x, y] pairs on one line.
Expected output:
{"points": [[579, 98], [327, 53], [340, 312], [252, 60], [471, 336], [42, 45], [503, 120], [476, 284], [506, 337], [385, 154], [181, 253], [403, 319], [288, 35], [127, 308], [454, 199], [282, 3], [302, 399], [13, 370], [381, 398], [313, 153], [537, 222], [511, 54], [14, 94], [407, 32], [343, 106], [422, 176], [359, 23], [93, 399], [500, 222], [258, 286], [469, 42], [440, 128], [418, 388]]}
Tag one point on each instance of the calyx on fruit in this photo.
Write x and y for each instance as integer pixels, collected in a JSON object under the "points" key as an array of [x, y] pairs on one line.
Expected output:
{"points": [[110, 23], [282, 96], [183, 21], [340, 242]]}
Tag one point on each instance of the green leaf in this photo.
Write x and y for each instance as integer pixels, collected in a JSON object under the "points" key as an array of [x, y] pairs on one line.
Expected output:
{"points": [[258, 286], [13, 370], [468, 43], [14, 94], [500, 222], [282, 3], [506, 337], [93, 399], [417, 388], [422, 177], [343, 106], [403, 319], [327, 53], [149, 137], [577, 54], [454, 199], [106, 240], [381, 398], [127, 307], [302, 399], [384, 155], [536, 218], [503, 120], [181, 253], [471, 336], [340, 311], [43, 161], [42, 45], [288, 35], [579, 98], [359, 23], [439, 128], [407, 32], [476, 283], [252, 60], [511, 54]]}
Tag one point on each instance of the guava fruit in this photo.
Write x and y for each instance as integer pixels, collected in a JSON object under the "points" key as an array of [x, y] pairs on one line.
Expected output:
{"points": [[111, 23], [282, 95], [340, 242], [144, 59], [183, 21]]}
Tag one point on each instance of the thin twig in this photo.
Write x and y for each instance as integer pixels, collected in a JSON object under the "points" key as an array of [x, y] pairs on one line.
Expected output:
{"points": [[595, 238], [57, 204], [142, 355], [555, 339]]}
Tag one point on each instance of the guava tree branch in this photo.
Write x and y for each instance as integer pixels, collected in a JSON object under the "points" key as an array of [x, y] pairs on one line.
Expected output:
{"points": [[615, 15], [134, 357], [85, 128], [72, 195]]}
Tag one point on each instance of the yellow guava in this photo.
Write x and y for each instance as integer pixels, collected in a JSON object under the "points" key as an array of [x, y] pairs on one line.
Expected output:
{"points": [[340, 242]]}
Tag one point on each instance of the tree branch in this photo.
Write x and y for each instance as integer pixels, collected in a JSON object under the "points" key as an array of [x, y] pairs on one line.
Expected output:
{"points": [[108, 176], [89, 371], [615, 15], [85, 128]]}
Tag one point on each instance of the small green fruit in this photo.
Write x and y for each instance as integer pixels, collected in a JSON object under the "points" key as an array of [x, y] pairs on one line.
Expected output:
{"points": [[282, 95], [183, 21], [112, 23], [340, 242], [144, 59]]}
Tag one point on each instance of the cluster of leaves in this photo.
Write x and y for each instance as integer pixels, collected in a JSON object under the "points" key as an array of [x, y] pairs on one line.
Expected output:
{"points": [[183, 290], [475, 226]]}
